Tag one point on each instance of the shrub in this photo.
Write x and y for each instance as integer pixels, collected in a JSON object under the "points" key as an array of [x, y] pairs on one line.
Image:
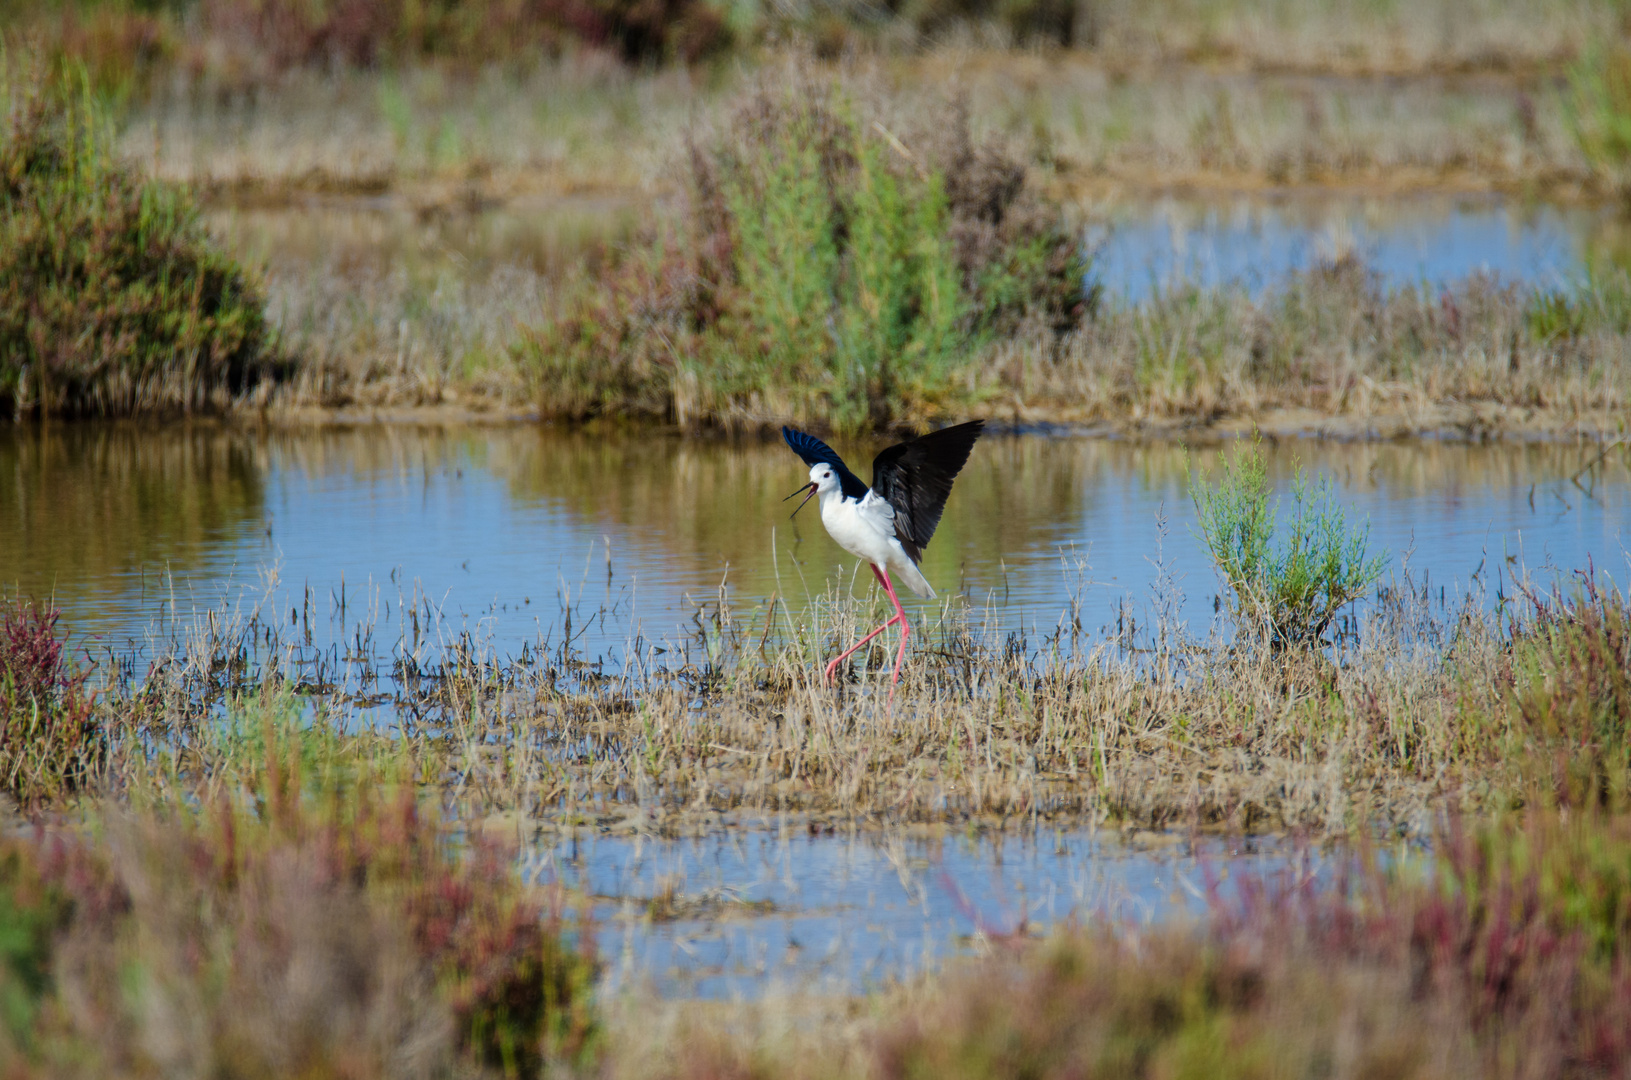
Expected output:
{"points": [[50, 742], [823, 268], [1288, 594], [113, 299]]}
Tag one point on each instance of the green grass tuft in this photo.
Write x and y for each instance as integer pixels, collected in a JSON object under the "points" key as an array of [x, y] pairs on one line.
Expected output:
{"points": [[1290, 592]]}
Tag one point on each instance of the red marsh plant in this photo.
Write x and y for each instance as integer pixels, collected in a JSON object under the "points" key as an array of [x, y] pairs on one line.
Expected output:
{"points": [[50, 741], [1568, 684], [113, 297], [335, 932]]}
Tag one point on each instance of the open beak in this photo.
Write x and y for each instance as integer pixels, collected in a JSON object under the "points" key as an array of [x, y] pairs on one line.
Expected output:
{"points": [[809, 490]]}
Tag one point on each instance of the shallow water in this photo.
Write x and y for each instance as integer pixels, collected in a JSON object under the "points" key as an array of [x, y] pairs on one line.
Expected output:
{"points": [[742, 911], [1255, 242], [498, 528]]}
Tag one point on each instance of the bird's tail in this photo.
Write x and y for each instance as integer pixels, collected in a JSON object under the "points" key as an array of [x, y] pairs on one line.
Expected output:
{"points": [[909, 575]]}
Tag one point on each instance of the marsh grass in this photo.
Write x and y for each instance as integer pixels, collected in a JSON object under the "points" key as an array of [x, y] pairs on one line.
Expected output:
{"points": [[308, 916], [1474, 354], [1570, 680]]}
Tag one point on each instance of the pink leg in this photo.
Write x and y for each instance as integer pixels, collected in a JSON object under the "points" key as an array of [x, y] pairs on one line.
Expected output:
{"points": [[905, 628], [833, 665]]}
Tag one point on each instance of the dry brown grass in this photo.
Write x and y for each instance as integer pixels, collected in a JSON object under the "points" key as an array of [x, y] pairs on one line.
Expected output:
{"points": [[1418, 712]]}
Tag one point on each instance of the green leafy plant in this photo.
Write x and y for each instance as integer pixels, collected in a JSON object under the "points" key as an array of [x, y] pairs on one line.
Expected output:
{"points": [[1288, 592], [113, 298]]}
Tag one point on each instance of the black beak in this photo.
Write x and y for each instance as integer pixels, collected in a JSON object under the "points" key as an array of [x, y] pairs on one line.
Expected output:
{"points": [[809, 489]]}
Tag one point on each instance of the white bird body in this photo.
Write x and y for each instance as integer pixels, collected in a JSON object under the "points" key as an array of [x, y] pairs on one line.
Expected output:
{"points": [[865, 528], [889, 522]]}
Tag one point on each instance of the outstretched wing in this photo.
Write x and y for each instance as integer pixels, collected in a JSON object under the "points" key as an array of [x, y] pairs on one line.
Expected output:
{"points": [[916, 477], [816, 452]]}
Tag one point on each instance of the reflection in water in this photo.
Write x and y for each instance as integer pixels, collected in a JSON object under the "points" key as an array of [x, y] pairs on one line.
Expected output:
{"points": [[494, 525], [95, 515]]}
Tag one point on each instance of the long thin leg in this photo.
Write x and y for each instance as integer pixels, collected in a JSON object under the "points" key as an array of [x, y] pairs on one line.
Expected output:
{"points": [[905, 629], [833, 665]]}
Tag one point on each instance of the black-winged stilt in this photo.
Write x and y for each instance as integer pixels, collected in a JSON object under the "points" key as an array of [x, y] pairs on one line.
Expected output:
{"points": [[890, 523]]}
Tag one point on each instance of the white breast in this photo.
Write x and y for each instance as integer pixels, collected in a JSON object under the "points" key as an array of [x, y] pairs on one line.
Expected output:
{"points": [[865, 529]]}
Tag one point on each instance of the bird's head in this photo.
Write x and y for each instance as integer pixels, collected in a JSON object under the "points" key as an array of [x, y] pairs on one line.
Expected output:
{"points": [[823, 478]]}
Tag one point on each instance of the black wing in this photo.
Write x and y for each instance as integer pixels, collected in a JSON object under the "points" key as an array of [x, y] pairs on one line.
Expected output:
{"points": [[916, 477], [816, 452]]}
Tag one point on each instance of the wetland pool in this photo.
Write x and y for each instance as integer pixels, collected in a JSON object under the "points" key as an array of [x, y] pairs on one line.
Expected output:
{"points": [[500, 530]]}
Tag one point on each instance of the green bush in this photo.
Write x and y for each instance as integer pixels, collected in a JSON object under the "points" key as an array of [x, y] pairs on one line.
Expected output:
{"points": [[1286, 593], [825, 269], [113, 299]]}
